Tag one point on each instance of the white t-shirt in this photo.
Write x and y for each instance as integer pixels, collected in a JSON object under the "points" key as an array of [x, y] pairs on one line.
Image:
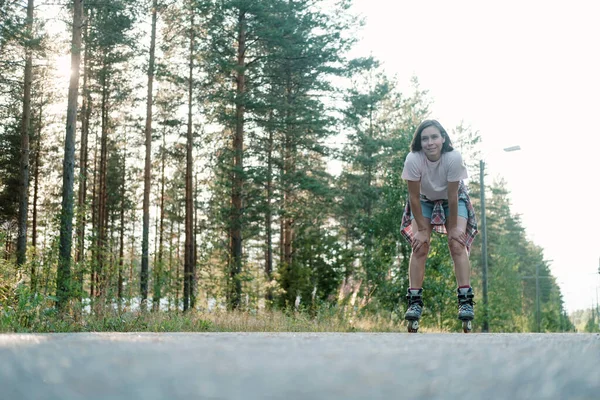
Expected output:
{"points": [[434, 175]]}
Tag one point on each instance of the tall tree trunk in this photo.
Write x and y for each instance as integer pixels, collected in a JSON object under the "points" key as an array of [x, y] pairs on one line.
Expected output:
{"points": [[102, 242], [178, 263], [122, 230], [281, 228], [158, 267], [281, 207], [157, 196], [368, 262], [94, 219], [288, 222], [131, 257], [289, 171], [36, 186], [188, 285], [269, 215], [45, 280], [170, 275], [112, 264], [235, 291], [63, 284], [25, 131], [195, 237], [7, 246], [148, 163], [83, 161], [155, 268], [36, 179]]}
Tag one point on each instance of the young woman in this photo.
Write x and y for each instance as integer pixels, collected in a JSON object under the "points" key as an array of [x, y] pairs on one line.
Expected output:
{"points": [[437, 200]]}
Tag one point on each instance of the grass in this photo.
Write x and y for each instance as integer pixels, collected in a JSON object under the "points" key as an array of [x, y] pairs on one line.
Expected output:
{"points": [[233, 321], [33, 316], [26, 313]]}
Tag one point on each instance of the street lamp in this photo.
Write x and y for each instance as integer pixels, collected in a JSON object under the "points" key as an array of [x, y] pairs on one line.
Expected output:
{"points": [[486, 326]]}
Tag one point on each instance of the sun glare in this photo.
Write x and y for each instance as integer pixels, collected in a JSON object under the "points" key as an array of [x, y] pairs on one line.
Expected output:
{"points": [[62, 66]]}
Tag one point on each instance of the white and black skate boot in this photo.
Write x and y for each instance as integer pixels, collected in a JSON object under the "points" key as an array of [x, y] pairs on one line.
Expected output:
{"points": [[415, 308], [465, 308]]}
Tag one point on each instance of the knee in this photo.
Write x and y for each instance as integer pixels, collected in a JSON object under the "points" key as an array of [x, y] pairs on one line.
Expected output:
{"points": [[456, 249], [422, 252]]}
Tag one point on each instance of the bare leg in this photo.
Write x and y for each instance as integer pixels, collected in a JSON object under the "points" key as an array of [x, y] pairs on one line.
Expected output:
{"points": [[462, 266], [416, 268]]}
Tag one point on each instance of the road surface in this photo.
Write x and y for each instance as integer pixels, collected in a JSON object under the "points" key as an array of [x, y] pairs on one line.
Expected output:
{"points": [[293, 366]]}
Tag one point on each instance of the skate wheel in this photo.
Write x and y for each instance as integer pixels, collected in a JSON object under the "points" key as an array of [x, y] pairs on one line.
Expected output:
{"points": [[413, 326], [467, 326]]}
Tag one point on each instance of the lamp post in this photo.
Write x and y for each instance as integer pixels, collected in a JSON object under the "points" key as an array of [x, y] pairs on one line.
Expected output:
{"points": [[538, 317], [485, 327]]}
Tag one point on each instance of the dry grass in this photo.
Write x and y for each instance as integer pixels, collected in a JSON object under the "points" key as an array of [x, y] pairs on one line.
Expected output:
{"points": [[35, 314], [273, 321], [277, 321], [221, 321]]}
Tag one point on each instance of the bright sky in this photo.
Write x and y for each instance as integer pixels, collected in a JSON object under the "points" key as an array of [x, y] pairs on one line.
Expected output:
{"points": [[521, 73]]}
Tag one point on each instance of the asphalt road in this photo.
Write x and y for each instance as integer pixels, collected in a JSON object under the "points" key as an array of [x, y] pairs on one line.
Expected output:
{"points": [[292, 366]]}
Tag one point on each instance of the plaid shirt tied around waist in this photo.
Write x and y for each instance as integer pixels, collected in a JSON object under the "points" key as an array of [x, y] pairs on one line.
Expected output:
{"points": [[438, 217]]}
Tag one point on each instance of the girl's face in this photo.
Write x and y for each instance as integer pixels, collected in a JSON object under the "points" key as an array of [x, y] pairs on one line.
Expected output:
{"points": [[432, 142]]}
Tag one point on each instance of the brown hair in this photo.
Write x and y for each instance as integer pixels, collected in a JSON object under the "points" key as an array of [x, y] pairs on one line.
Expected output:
{"points": [[416, 142]]}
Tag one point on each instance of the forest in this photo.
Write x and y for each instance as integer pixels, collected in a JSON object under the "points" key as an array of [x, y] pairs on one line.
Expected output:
{"points": [[162, 156]]}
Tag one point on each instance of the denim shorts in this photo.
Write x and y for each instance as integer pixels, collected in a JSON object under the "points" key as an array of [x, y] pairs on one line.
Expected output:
{"points": [[427, 208]]}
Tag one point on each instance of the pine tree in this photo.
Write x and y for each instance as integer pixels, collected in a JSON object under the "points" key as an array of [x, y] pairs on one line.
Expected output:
{"points": [[233, 66], [148, 159], [189, 298], [63, 280], [111, 42], [25, 133], [304, 48], [16, 41], [43, 96], [368, 121], [81, 217]]}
